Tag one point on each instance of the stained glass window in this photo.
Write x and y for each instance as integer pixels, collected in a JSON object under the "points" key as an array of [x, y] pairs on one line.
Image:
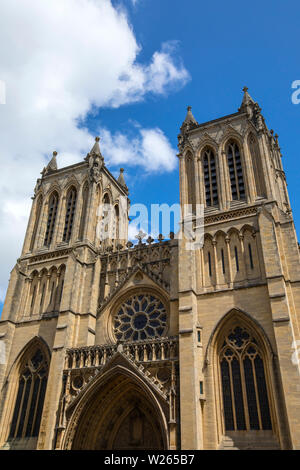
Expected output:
{"points": [[30, 398], [140, 317], [244, 388]]}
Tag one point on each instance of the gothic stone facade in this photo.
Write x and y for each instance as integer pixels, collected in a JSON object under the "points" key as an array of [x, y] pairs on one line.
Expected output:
{"points": [[155, 346]]}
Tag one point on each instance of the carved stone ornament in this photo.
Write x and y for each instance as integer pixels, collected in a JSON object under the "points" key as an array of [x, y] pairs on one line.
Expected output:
{"points": [[38, 185]]}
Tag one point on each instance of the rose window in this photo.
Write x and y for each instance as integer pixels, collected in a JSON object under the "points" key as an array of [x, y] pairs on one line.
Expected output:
{"points": [[140, 317]]}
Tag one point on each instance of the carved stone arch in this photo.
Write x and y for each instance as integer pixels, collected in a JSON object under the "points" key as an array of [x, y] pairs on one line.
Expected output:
{"points": [[231, 134], [61, 268], [221, 254], [109, 392], [107, 191], [36, 342], [219, 233], [248, 227], [233, 230], [250, 128], [53, 269], [206, 141], [188, 150], [10, 388], [33, 273], [85, 185], [43, 271], [71, 180], [54, 187], [237, 314], [208, 236]]}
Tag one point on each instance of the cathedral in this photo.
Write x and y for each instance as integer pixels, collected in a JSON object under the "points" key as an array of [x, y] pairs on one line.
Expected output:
{"points": [[112, 345]]}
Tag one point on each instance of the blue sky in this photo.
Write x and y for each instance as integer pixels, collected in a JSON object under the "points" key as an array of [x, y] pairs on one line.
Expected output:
{"points": [[222, 46]]}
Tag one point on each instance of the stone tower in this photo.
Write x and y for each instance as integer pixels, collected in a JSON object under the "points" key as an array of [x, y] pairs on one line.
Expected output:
{"points": [[111, 345], [239, 294]]}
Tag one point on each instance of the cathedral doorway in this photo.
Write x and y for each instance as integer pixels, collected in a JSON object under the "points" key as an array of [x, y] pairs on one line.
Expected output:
{"points": [[136, 431], [121, 414]]}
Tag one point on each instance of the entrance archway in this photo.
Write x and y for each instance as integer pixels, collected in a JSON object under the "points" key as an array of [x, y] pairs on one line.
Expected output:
{"points": [[119, 413]]}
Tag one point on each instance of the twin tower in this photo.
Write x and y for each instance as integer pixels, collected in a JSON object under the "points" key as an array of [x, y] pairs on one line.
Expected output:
{"points": [[111, 345]]}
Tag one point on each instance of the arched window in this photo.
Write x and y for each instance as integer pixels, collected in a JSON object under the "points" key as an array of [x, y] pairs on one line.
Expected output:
{"points": [[117, 224], [257, 166], [140, 317], [85, 196], [38, 210], [52, 212], [107, 220], [244, 387], [210, 178], [70, 212], [190, 173], [30, 397], [235, 171]]}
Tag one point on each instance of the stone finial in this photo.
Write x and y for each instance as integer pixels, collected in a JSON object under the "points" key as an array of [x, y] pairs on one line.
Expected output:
{"points": [[246, 98], [52, 165], [95, 161], [121, 179], [189, 116], [96, 147]]}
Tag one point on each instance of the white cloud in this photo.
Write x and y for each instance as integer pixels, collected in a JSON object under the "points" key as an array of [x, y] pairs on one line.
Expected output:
{"points": [[59, 59], [150, 149]]}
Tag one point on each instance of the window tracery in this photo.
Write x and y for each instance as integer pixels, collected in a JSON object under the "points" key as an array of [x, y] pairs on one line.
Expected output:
{"points": [[140, 317], [244, 387], [30, 397]]}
